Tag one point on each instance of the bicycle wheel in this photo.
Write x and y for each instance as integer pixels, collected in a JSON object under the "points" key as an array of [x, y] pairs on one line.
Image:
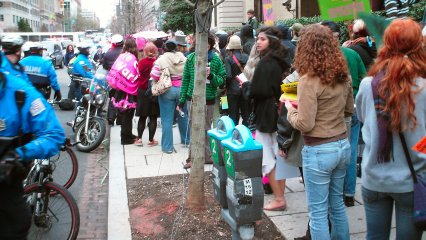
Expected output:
{"points": [[64, 167], [53, 217]]}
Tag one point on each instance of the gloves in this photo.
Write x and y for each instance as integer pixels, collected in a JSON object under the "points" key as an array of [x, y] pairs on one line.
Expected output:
{"points": [[58, 96], [12, 172], [10, 156]]}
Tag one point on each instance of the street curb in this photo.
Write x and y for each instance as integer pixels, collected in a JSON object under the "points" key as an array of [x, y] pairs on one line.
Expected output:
{"points": [[118, 207]]}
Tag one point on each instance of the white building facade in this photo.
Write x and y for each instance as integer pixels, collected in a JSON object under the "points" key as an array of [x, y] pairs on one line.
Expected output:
{"points": [[40, 14]]}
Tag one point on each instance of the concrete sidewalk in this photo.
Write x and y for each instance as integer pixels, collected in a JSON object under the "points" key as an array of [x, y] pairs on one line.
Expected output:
{"points": [[131, 161]]}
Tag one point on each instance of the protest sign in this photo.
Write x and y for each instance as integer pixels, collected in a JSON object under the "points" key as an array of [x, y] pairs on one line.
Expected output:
{"points": [[340, 10]]}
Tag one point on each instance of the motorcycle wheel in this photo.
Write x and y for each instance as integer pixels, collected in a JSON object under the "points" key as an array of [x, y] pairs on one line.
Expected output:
{"points": [[95, 135]]}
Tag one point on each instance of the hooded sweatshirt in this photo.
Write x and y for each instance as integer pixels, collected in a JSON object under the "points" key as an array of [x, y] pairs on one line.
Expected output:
{"points": [[247, 38], [175, 62], [232, 70], [286, 42]]}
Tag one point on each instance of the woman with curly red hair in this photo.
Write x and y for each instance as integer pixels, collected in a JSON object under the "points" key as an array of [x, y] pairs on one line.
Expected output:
{"points": [[325, 98], [390, 101]]}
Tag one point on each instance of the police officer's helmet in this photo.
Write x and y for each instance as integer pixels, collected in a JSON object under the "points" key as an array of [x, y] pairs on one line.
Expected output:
{"points": [[11, 43], [32, 47], [117, 39], [84, 48]]}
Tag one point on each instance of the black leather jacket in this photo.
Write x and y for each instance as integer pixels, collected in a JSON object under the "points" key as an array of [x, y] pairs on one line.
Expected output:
{"points": [[110, 57]]}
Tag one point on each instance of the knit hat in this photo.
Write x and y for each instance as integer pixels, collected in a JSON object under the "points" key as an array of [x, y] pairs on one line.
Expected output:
{"points": [[297, 27], [170, 45], [180, 40], [234, 43]]}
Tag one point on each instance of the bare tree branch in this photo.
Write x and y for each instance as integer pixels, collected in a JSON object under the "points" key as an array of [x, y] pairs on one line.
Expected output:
{"points": [[217, 4], [211, 7], [207, 9], [190, 3]]}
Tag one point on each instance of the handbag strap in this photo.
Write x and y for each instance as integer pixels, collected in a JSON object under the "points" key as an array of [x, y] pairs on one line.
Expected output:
{"points": [[237, 62], [408, 157]]}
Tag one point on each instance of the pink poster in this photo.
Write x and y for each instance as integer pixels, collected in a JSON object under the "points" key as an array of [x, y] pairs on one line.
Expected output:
{"points": [[124, 74], [268, 16]]}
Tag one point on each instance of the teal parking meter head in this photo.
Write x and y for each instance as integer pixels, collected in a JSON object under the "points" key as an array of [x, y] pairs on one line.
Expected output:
{"points": [[224, 129], [242, 155], [241, 140]]}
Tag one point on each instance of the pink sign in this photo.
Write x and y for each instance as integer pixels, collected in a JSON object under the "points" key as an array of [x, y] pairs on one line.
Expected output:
{"points": [[124, 74], [268, 16]]}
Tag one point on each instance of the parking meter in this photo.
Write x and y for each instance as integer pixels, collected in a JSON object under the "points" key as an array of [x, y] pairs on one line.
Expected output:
{"points": [[244, 189], [223, 130], [242, 154]]}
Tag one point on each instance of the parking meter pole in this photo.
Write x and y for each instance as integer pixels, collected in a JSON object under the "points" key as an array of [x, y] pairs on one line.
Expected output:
{"points": [[243, 232]]}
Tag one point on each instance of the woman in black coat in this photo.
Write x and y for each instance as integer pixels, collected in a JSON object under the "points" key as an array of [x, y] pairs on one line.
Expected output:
{"points": [[265, 91]]}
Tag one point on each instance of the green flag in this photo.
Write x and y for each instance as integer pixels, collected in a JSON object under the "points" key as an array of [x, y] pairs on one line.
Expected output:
{"points": [[376, 26]]}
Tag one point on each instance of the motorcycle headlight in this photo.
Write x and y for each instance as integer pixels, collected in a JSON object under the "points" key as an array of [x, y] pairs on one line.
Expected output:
{"points": [[99, 99]]}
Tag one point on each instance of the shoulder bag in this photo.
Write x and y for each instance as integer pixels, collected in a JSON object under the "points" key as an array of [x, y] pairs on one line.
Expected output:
{"points": [[240, 77], [163, 84], [419, 202]]}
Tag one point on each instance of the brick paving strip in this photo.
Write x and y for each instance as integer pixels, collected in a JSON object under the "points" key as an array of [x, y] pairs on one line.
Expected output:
{"points": [[93, 201]]}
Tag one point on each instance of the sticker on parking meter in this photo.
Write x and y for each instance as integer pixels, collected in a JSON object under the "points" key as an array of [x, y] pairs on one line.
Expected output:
{"points": [[229, 163], [248, 188], [215, 150]]}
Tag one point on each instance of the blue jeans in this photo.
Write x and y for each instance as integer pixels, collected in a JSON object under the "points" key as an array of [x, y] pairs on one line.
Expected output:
{"points": [[324, 169], [350, 179], [168, 102], [378, 211]]}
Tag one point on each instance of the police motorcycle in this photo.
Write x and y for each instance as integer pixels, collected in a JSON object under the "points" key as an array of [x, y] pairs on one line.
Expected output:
{"points": [[88, 125]]}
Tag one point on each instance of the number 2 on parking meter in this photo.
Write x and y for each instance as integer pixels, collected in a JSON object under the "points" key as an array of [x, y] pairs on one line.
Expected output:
{"points": [[229, 163], [215, 150]]}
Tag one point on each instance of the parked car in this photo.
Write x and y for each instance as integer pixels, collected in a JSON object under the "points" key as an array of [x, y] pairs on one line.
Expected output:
{"points": [[54, 50]]}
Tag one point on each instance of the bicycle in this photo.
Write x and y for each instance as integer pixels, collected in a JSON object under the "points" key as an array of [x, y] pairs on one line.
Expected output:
{"points": [[55, 213], [63, 173]]}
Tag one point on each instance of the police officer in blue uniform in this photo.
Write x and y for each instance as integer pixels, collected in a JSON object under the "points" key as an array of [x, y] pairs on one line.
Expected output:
{"points": [[23, 112], [11, 54], [81, 68], [40, 71]]}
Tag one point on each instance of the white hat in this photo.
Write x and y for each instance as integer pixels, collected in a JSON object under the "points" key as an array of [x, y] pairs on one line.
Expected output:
{"points": [[234, 43], [117, 38]]}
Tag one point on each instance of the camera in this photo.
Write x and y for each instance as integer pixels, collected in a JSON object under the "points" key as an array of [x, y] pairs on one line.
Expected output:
{"points": [[287, 4]]}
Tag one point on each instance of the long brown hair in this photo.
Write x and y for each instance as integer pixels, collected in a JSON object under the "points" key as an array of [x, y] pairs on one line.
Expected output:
{"points": [[130, 46], [318, 55], [402, 58]]}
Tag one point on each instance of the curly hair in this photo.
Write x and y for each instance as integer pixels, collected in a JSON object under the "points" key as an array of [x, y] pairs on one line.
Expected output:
{"points": [[318, 54], [403, 59]]}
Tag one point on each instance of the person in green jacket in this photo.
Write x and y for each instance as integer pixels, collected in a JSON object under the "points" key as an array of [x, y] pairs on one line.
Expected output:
{"points": [[252, 20], [357, 71], [215, 79]]}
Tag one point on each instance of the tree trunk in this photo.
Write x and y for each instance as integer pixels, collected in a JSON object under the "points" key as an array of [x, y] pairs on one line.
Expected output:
{"points": [[195, 195]]}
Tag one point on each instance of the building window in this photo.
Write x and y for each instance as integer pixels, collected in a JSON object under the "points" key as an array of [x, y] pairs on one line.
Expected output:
{"points": [[1, 17]]}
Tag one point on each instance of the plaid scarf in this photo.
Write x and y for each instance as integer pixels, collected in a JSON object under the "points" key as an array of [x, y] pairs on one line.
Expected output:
{"points": [[385, 136]]}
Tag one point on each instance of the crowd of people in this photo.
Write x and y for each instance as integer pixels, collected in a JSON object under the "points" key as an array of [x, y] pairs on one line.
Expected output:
{"points": [[340, 88], [338, 84]]}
